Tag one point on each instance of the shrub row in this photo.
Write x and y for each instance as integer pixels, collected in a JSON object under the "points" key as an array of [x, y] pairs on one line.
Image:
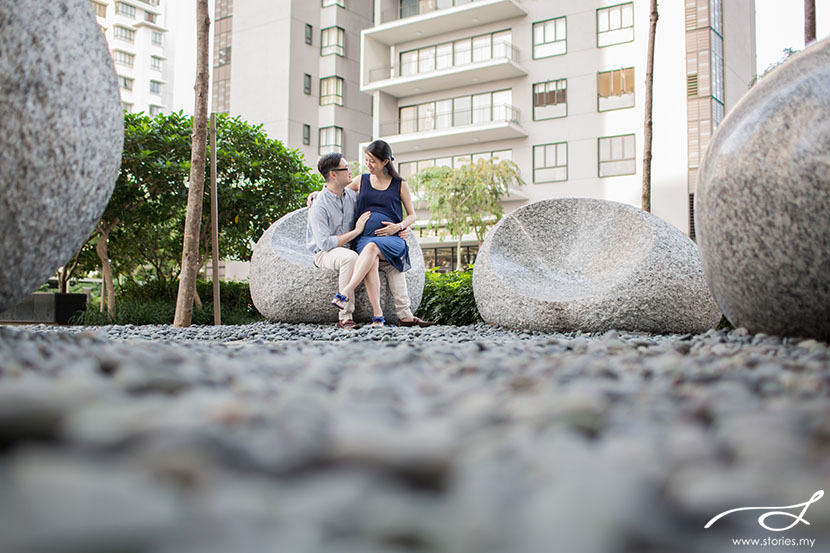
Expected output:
{"points": [[448, 298]]}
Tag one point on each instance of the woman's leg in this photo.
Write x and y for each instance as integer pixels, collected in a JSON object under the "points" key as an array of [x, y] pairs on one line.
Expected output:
{"points": [[367, 259], [372, 283]]}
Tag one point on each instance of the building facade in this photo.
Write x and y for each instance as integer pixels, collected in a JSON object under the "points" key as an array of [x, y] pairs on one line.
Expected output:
{"points": [[558, 87], [293, 66], [136, 33]]}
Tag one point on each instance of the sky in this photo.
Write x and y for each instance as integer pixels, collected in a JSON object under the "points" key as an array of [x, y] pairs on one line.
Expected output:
{"points": [[779, 24]]}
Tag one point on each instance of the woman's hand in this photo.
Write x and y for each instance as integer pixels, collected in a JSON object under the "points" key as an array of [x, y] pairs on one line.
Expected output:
{"points": [[360, 224], [310, 199], [389, 229]]}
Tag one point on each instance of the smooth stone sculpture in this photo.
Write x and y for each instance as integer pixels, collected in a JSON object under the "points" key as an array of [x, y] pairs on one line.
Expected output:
{"points": [[287, 287], [63, 132], [762, 210], [591, 265]]}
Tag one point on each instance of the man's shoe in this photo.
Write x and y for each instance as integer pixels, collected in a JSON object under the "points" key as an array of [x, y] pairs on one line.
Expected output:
{"points": [[348, 324], [416, 322]]}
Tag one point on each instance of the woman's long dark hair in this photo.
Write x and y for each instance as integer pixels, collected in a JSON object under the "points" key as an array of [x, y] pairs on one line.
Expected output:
{"points": [[382, 151]]}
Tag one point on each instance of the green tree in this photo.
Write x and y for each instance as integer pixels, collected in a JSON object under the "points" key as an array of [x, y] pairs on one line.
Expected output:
{"points": [[140, 234], [467, 199]]}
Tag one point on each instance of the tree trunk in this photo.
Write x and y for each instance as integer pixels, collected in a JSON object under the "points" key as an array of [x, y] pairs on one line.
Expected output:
{"points": [[652, 32], [106, 267], [103, 292], [458, 255], [809, 22], [198, 152]]}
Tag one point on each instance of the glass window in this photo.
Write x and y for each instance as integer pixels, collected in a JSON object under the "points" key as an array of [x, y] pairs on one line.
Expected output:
{"points": [[125, 10], [409, 8], [155, 87], [100, 9], [409, 63], [123, 33], [462, 115], [155, 63], [307, 83], [333, 41], [128, 107], [502, 108], [331, 91], [331, 140], [615, 89], [462, 51], [123, 58], [327, 3], [306, 134], [503, 155], [443, 55], [408, 169], [426, 60], [443, 162], [482, 107], [502, 45], [550, 162], [482, 48], [617, 156], [550, 99], [154, 110], [717, 66], [615, 24], [125, 83], [224, 56], [308, 31], [426, 116], [408, 119], [550, 38], [716, 16], [443, 114], [158, 38]]}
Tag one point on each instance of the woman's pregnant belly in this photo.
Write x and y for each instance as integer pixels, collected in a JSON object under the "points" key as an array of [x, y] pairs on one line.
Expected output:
{"points": [[374, 223]]}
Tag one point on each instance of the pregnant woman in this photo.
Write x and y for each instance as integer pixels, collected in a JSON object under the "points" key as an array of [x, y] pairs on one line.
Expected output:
{"points": [[380, 192]]}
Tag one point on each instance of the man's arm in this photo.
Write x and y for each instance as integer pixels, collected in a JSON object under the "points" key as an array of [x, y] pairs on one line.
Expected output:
{"points": [[347, 237], [321, 232]]}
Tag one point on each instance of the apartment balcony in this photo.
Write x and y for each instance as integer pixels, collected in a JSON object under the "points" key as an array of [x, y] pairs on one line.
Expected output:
{"points": [[447, 71], [419, 19], [446, 130]]}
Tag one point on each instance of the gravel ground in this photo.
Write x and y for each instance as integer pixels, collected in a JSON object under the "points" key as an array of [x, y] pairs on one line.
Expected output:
{"points": [[303, 438]]}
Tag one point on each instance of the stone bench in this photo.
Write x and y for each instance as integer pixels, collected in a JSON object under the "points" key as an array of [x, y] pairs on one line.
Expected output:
{"points": [[591, 265], [287, 287]]}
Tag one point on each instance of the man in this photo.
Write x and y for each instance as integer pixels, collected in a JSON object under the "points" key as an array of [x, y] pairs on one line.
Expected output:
{"points": [[332, 226]]}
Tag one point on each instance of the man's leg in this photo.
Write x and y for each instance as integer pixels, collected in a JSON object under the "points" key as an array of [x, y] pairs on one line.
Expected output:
{"points": [[397, 286], [342, 260]]}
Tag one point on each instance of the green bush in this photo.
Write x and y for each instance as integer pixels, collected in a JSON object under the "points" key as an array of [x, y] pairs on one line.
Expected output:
{"points": [[448, 298], [155, 303]]}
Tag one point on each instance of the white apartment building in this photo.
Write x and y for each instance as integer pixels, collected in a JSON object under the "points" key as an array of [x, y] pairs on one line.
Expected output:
{"points": [[136, 34], [293, 66], [557, 86]]}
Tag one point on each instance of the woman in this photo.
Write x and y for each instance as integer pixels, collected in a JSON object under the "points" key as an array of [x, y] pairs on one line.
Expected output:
{"points": [[381, 193]]}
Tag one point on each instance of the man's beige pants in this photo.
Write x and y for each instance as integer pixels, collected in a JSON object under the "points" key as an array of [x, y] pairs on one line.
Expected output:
{"points": [[343, 260]]}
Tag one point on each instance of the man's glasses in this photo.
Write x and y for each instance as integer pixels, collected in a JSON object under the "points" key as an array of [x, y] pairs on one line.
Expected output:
{"points": [[341, 169]]}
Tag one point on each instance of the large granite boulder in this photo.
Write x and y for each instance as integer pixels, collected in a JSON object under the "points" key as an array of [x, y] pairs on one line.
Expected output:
{"points": [[591, 265], [287, 287], [763, 202], [63, 131]]}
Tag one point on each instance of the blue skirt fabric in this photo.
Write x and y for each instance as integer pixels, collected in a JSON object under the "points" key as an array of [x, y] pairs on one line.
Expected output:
{"points": [[394, 249]]}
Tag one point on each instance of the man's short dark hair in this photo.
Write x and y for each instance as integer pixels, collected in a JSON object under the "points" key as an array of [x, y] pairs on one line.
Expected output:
{"points": [[329, 162]]}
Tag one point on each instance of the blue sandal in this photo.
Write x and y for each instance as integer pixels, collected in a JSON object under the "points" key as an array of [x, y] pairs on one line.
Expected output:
{"points": [[378, 321], [338, 297]]}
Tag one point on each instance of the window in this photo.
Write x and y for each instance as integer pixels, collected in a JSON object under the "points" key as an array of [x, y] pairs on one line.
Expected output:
{"points": [[224, 56], [125, 83], [327, 3], [123, 33], [331, 91], [155, 63], [717, 114], [128, 107], [123, 58], [307, 83], [615, 89], [151, 17], [308, 31], [100, 9], [716, 16], [550, 99], [615, 25], [617, 155], [151, 2], [550, 162], [125, 10], [155, 87], [306, 134], [331, 140], [158, 38], [332, 41], [456, 112], [717, 66], [460, 52], [154, 110], [550, 38]]}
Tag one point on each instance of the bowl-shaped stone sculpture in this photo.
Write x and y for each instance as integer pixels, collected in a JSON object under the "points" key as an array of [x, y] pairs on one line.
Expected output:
{"points": [[762, 209], [589, 265], [287, 287], [63, 131]]}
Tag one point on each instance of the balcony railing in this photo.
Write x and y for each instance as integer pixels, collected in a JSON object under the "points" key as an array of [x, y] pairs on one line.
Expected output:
{"points": [[441, 62], [411, 8], [456, 119]]}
